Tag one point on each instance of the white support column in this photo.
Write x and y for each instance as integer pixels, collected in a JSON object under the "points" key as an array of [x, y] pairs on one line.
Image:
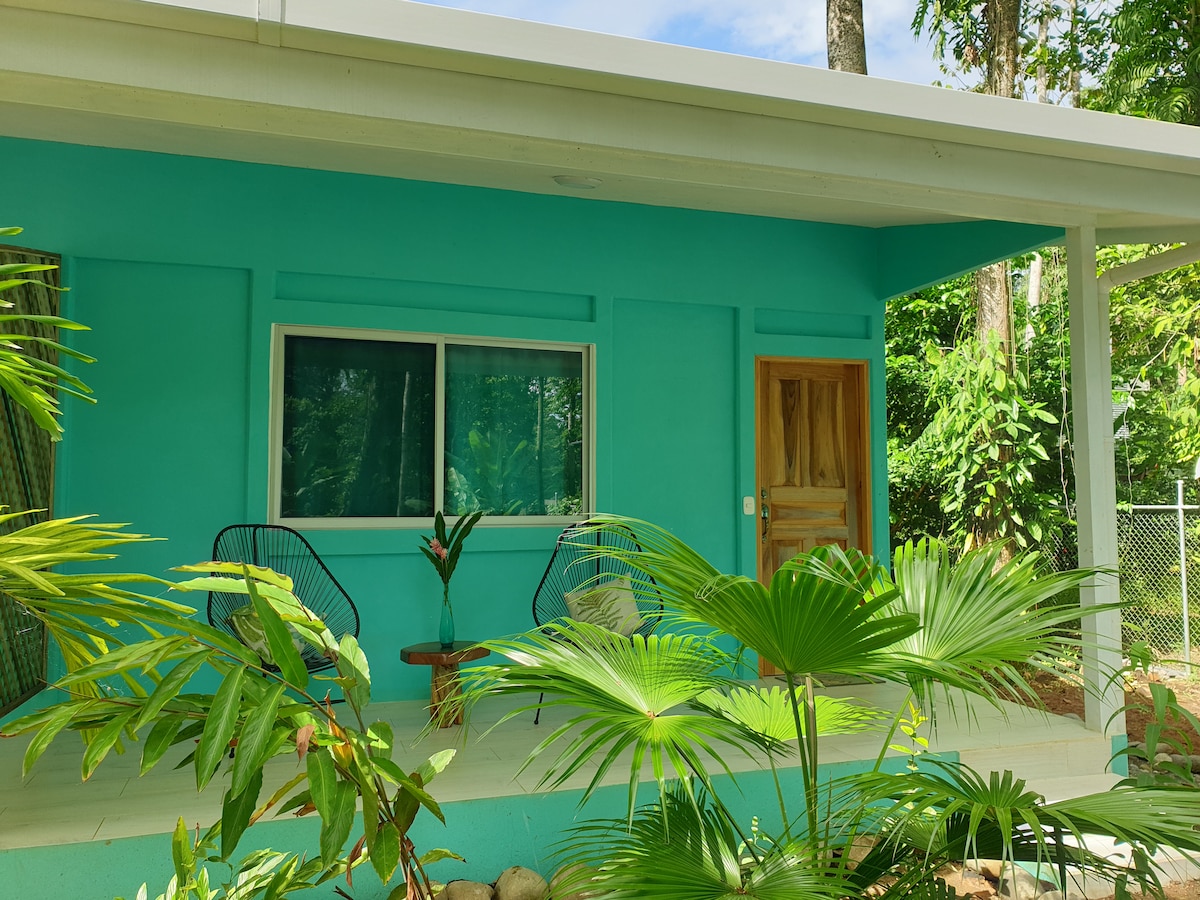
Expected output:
{"points": [[1095, 476]]}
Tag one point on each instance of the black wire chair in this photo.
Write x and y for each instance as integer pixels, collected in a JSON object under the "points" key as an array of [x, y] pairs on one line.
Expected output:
{"points": [[578, 563], [288, 553]]}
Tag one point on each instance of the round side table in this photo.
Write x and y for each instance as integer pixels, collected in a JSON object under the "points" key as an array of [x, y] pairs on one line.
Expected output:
{"points": [[443, 678]]}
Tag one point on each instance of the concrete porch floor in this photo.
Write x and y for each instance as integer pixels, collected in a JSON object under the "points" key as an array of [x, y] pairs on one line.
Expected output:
{"points": [[1057, 756]]}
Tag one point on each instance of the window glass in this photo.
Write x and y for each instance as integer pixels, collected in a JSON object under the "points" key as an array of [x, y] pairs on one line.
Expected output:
{"points": [[514, 431], [363, 436], [358, 428]]}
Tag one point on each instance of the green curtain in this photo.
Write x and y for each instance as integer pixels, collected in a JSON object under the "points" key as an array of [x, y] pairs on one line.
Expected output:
{"points": [[26, 482]]}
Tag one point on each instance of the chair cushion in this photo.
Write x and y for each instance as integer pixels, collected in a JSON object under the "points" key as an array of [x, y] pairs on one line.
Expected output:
{"points": [[249, 628], [609, 604]]}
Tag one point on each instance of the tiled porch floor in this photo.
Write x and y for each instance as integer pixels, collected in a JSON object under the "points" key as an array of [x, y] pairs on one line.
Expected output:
{"points": [[1058, 756]]}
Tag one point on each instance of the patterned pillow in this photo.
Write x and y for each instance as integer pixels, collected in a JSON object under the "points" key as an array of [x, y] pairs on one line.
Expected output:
{"points": [[609, 604]]}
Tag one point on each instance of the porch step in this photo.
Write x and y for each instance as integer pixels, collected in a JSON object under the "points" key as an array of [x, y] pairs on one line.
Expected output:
{"points": [[1070, 786], [1067, 752], [1033, 745]]}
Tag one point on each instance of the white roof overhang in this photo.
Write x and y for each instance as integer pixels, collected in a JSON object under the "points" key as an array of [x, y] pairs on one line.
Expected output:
{"points": [[401, 89]]}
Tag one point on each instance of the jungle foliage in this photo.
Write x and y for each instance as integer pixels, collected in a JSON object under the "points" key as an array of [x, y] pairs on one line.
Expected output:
{"points": [[947, 417]]}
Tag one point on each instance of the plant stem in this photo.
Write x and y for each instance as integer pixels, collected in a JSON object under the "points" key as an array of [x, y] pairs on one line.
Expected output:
{"points": [[892, 731], [811, 736], [787, 824], [809, 775]]}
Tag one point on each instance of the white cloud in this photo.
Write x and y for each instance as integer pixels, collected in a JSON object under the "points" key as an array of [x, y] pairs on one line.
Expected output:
{"points": [[791, 30]]}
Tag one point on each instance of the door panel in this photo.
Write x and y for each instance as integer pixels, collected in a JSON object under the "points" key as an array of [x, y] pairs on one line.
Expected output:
{"points": [[812, 464]]}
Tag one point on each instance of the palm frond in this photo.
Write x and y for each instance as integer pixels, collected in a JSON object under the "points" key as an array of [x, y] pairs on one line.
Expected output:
{"points": [[812, 618], [980, 619], [953, 813], [623, 695], [676, 570], [687, 849], [768, 711]]}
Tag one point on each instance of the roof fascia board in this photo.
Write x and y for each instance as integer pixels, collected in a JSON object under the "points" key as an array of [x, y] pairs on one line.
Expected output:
{"points": [[235, 19], [206, 81], [273, 133], [499, 47]]}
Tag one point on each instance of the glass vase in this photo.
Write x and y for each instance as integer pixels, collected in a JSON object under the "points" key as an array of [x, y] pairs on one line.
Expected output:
{"points": [[446, 628]]}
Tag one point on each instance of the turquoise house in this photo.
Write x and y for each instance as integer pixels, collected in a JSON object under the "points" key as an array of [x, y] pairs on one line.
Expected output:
{"points": [[225, 180], [254, 199]]}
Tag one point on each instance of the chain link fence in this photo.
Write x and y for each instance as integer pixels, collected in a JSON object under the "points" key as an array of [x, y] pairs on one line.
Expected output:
{"points": [[1151, 584]]}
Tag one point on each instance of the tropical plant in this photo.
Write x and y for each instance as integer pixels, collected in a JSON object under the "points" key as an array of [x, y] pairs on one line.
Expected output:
{"points": [[1166, 731], [986, 438], [27, 379], [668, 703], [1156, 360], [130, 656], [487, 480], [443, 550], [258, 712], [976, 449], [1155, 69]]}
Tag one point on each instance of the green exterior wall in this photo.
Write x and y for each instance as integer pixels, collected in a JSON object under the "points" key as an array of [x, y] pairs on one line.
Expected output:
{"points": [[180, 265]]}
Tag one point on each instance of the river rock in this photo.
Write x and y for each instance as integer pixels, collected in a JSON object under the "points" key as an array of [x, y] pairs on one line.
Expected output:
{"points": [[966, 882], [988, 868], [466, 890], [519, 883]]}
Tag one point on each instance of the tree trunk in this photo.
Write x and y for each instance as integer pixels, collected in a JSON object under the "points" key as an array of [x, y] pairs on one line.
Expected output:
{"points": [[1043, 40], [1042, 87], [1004, 27], [992, 285], [1074, 59], [846, 41], [993, 288], [994, 318]]}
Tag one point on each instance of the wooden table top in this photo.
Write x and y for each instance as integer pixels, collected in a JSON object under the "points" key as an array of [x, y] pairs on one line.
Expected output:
{"points": [[434, 654]]}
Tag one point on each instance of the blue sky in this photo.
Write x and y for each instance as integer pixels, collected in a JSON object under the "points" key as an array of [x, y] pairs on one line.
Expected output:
{"points": [[791, 30]]}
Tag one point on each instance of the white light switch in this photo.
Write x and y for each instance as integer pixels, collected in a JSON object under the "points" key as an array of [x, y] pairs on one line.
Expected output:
{"points": [[748, 506]]}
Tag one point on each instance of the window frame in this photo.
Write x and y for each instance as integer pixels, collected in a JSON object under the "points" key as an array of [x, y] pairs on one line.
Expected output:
{"points": [[279, 335]]}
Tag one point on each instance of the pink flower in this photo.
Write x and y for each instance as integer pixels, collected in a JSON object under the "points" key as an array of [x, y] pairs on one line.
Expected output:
{"points": [[438, 550]]}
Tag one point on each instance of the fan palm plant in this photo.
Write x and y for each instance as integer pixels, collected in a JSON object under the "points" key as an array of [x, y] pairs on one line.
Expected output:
{"points": [[941, 628]]}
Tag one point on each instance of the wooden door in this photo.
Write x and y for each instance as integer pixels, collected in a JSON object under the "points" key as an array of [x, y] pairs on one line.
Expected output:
{"points": [[813, 466]]}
